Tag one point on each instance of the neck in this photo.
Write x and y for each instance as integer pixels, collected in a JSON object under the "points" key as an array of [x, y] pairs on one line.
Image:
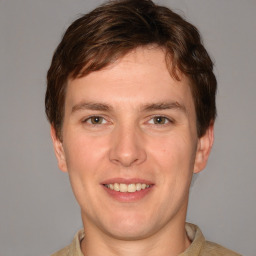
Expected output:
{"points": [[169, 241]]}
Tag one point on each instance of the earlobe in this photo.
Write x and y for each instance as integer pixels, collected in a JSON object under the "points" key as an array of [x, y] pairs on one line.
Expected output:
{"points": [[59, 151], [203, 149]]}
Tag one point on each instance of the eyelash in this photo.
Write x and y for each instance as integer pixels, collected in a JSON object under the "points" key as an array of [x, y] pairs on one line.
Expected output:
{"points": [[166, 120], [91, 117]]}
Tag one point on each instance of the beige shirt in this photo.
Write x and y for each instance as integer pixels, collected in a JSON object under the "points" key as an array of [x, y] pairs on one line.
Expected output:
{"points": [[198, 247]]}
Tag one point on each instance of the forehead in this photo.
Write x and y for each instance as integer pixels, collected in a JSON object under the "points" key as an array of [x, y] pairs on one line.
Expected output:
{"points": [[140, 76]]}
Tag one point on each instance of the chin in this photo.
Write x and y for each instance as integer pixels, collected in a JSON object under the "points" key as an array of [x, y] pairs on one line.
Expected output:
{"points": [[128, 233], [129, 228]]}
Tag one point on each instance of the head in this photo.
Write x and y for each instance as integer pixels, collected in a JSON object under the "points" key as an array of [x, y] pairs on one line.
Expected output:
{"points": [[106, 34], [131, 101]]}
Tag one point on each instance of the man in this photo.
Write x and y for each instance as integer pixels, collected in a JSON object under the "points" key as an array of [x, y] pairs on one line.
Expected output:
{"points": [[131, 102]]}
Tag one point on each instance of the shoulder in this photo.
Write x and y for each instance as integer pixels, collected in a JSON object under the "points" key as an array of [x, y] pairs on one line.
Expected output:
{"points": [[213, 249], [62, 252], [199, 246], [74, 248]]}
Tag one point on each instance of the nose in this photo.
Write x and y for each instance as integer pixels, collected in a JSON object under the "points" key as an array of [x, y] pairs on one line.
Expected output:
{"points": [[127, 146]]}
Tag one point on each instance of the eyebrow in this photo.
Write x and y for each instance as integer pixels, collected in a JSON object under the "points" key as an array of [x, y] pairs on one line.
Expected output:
{"points": [[164, 105], [91, 106], [147, 107]]}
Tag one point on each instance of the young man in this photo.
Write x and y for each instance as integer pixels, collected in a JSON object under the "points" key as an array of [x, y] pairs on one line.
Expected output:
{"points": [[131, 102]]}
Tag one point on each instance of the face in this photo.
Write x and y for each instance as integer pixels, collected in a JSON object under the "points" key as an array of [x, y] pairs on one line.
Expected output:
{"points": [[130, 146]]}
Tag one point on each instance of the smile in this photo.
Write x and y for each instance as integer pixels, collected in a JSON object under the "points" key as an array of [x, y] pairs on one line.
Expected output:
{"points": [[121, 187]]}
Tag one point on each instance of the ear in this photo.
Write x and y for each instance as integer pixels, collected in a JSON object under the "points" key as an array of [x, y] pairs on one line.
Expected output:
{"points": [[59, 151], [204, 147]]}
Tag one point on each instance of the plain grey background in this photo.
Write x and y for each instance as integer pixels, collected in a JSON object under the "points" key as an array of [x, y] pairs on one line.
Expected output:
{"points": [[38, 213]]}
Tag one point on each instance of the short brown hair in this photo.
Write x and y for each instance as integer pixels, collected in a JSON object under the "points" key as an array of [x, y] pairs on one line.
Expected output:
{"points": [[112, 30]]}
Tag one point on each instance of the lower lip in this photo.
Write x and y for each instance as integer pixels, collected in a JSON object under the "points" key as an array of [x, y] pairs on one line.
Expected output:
{"points": [[128, 196]]}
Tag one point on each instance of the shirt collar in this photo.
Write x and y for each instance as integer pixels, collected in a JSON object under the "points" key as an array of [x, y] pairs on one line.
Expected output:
{"points": [[193, 232], [197, 240]]}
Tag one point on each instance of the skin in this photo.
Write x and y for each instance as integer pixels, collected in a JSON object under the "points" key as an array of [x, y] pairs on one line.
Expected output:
{"points": [[111, 130]]}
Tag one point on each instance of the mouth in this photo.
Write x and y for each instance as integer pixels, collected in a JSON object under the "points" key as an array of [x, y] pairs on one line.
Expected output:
{"points": [[130, 188]]}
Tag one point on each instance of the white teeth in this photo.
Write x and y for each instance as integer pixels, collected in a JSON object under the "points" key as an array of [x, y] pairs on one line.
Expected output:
{"points": [[121, 187], [131, 188], [138, 186], [116, 187]]}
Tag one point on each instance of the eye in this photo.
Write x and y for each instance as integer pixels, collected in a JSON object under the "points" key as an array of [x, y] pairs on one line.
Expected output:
{"points": [[159, 120], [95, 120]]}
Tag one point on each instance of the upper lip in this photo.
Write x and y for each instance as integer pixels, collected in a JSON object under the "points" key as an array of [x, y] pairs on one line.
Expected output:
{"points": [[127, 181]]}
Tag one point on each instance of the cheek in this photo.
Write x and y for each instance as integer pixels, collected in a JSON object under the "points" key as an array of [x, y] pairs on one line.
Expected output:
{"points": [[178, 150], [174, 159], [84, 159], [84, 152]]}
